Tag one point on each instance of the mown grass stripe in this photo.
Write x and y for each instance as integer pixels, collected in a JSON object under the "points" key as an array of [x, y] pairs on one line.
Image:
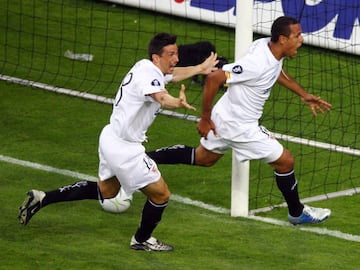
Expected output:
{"points": [[188, 201]]}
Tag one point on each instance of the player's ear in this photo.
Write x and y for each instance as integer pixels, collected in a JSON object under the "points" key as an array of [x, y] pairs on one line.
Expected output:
{"points": [[283, 39], [155, 58]]}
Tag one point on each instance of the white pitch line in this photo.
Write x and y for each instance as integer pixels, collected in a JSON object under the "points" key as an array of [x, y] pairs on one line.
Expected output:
{"points": [[323, 231], [188, 201], [101, 99]]}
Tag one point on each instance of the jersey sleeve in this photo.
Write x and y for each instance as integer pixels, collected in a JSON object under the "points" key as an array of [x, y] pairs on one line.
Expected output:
{"points": [[151, 80]]}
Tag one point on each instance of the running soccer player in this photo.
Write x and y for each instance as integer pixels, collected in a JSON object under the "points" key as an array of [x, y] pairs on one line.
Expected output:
{"points": [[123, 162], [233, 122]]}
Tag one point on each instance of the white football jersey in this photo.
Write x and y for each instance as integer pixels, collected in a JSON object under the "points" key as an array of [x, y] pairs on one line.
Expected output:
{"points": [[133, 110], [249, 84]]}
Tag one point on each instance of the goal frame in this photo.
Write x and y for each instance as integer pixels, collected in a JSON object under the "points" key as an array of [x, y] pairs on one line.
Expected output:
{"points": [[240, 174]]}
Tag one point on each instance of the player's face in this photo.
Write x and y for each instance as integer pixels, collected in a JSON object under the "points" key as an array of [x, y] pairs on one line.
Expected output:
{"points": [[168, 59], [294, 41]]}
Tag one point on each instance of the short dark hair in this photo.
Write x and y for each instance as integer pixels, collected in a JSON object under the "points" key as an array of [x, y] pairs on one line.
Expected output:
{"points": [[159, 41], [281, 26]]}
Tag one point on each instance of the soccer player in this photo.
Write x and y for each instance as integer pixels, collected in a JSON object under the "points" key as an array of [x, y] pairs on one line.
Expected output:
{"points": [[233, 122], [123, 162]]}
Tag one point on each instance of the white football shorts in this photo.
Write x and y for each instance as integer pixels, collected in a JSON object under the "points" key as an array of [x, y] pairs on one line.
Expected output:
{"points": [[262, 146], [127, 161]]}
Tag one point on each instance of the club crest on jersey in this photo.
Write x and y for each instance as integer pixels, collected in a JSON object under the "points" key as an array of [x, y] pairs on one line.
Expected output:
{"points": [[155, 83], [237, 69]]}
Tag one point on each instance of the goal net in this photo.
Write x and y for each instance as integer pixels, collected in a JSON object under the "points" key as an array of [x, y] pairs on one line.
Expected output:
{"points": [[84, 48]]}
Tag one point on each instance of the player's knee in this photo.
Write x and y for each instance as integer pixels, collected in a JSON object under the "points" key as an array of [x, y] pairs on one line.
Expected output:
{"points": [[289, 159], [160, 198], [165, 196], [285, 163], [205, 163], [205, 157], [109, 188]]}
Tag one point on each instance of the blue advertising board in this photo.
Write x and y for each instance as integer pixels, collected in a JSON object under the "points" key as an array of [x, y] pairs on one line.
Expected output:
{"points": [[332, 24]]}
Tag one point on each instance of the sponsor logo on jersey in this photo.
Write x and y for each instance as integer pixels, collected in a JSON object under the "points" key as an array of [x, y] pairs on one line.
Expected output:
{"points": [[237, 69], [155, 83]]}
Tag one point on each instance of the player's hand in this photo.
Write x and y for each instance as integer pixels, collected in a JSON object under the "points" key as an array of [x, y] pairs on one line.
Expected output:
{"points": [[209, 64], [204, 126], [183, 101], [317, 104]]}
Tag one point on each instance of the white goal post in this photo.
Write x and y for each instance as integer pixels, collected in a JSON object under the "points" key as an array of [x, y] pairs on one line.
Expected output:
{"points": [[240, 170]]}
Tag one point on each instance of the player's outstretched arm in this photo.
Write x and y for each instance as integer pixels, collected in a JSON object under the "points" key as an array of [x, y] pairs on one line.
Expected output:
{"points": [[213, 82], [317, 104], [168, 101], [182, 73]]}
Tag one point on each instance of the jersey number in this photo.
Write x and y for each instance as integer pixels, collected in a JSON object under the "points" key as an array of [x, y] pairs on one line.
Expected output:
{"points": [[125, 82]]}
